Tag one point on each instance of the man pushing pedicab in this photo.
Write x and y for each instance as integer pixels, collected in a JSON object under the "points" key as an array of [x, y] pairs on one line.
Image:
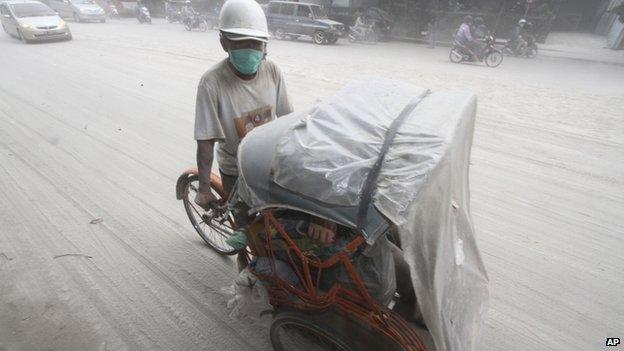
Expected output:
{"points": [[236, 95], [311, 175]]}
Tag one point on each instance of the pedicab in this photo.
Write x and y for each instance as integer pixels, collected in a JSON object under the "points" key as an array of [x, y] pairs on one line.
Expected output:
{"points": [[387, 162]]}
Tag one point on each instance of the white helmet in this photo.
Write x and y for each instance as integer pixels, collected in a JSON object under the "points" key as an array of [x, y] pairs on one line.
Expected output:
{"points": [[244, 20], [522, 22]]}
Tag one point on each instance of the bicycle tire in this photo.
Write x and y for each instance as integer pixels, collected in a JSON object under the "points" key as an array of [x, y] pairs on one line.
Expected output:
{"points": [[219, 232], [343, 333]]}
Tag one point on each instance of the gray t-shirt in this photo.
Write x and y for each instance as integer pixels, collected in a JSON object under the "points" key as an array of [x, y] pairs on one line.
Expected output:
{"points": [[228, 107]]}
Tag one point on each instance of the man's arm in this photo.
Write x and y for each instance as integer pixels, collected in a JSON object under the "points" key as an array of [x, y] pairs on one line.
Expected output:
{"points": [[207, 131], [205, 155], [283, 105]]}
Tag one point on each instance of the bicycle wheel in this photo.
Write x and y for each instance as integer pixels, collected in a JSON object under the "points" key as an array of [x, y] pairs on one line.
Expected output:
{"points": [[214, 226], [325, 330]]}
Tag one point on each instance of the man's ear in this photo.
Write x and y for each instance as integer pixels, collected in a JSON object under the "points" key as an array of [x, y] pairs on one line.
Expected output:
{"points": [[225, 43]]}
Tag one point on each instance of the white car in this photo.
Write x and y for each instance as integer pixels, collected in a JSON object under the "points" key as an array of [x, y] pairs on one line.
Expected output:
{"points": [[32, 21], [79, 10]]}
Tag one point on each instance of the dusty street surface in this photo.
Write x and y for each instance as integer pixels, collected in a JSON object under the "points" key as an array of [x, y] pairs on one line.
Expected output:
{"points": [[100, 127]]}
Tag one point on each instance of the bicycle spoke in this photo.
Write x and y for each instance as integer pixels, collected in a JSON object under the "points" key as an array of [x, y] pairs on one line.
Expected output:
{"points": [[194, 207], [221, 234]]}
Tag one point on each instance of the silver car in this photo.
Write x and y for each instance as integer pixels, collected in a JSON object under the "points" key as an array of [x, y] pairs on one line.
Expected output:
{"points": [[79, 10], [32, 21]]}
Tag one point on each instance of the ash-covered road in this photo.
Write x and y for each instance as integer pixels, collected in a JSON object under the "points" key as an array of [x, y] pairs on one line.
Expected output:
{"points": [[101, 126]]}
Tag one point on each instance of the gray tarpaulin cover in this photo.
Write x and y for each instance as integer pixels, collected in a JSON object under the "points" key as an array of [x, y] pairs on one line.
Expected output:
{"points": [[326, 154]]}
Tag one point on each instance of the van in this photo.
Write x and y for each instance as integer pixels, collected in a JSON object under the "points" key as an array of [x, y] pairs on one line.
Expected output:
{"points": [[288, 19]]}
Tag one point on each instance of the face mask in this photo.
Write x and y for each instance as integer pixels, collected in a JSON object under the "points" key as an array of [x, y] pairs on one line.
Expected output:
{"points": [[246, 61]]}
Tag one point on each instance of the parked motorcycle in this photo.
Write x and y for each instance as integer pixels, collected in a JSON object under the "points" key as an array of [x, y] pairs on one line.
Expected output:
{"points": [[491, 56], [196, 21], [143, 15], [526, 48], [365, 34]]}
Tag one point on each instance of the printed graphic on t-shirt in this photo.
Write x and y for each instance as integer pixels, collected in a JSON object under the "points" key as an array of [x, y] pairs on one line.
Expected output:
{"points": [[252, 119]]}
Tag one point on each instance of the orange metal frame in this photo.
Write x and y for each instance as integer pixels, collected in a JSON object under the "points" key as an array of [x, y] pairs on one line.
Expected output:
{"points": [[352, 303]]}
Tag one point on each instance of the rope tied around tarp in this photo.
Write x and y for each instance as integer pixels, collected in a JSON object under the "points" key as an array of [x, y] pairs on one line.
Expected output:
{"points": [[370, 184]]}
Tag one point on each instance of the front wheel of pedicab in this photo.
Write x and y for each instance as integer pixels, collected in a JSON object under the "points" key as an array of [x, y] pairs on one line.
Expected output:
{"points": [[213, 226], [325, 330]]}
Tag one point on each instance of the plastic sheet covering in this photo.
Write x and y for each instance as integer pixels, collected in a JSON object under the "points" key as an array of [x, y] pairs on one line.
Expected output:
{"points": [[329, 153], [422, 188]]}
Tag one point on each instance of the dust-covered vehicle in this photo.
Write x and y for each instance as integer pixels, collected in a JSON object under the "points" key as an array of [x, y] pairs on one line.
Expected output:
{"points": [[386, 164], [32, 21], [79, 10], [288, 19]]}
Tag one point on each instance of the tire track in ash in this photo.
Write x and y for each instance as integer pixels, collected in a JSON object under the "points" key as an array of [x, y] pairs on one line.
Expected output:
{"points": [[174, 225], [152, 266], [101, 142], [95, 301]]}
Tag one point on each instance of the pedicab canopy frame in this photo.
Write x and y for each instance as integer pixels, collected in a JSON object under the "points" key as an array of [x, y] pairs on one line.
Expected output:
{"points": [[381, 153]]}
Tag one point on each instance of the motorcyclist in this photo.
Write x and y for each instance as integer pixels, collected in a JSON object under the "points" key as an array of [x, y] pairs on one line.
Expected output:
{"points": [[527, 31], [139, 9], [480, 29], [464, 36], [517, 34], [188, 12], [236, 95], [360, 26]]}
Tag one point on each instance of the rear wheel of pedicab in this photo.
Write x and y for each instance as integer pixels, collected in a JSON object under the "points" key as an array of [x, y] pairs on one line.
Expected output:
{"points": [[531, 52], [203, 26], [213, 226], [325, 330], [494, 58]]}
